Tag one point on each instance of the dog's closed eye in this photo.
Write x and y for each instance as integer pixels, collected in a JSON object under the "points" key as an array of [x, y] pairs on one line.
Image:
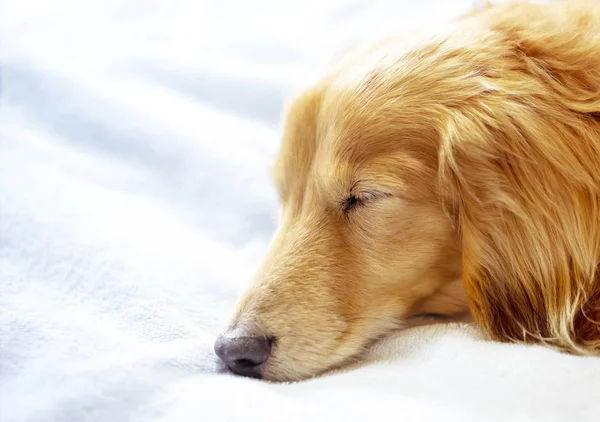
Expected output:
{"points": [[355, 200], [350, 203]]}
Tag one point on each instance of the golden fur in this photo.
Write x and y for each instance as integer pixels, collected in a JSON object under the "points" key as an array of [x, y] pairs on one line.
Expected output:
{"points": [[431, 161]]}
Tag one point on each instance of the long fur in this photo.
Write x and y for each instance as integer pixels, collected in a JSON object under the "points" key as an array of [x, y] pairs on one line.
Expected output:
{"points": [[521, 160], [440, 173]]}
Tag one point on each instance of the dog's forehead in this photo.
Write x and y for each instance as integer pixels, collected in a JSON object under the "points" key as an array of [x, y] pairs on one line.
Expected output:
{"points": [[319, 137], [357, 113]]}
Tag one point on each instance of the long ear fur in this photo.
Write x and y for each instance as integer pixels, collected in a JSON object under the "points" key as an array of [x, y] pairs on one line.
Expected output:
{"points": [[522, 164]]}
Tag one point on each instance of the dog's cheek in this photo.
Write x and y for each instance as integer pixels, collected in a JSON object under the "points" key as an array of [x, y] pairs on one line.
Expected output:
{"points": [[384, 234]]}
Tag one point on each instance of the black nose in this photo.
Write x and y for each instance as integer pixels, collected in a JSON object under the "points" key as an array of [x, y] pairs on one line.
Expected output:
{"points": [[243, 355]]}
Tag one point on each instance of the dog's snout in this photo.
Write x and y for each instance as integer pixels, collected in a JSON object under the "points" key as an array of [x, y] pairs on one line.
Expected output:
{"points": [[243, 354]]}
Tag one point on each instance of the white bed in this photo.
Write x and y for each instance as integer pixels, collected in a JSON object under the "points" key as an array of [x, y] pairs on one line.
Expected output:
{"points": [[135, 143]]}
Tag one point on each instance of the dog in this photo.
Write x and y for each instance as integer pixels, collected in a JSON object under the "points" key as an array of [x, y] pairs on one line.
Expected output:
{"points": [[451, 174]]}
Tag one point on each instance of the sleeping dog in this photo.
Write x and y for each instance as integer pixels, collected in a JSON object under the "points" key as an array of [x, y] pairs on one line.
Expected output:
{"points": [[448, 173]]}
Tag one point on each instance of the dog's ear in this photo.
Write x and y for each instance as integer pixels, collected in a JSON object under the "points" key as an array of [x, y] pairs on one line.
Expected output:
{"points": [[520, 167]]}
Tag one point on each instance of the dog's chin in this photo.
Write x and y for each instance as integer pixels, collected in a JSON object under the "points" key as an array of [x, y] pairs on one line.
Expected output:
{"points": [[295, 368], [294, 372], [291, 375], [282, 372], [290, 372]]}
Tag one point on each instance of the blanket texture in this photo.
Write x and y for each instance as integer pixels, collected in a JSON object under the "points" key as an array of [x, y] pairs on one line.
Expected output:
{"points": [[135, 143]]}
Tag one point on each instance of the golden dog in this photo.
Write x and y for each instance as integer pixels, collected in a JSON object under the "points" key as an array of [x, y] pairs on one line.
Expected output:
{"points": [[436, 174]]}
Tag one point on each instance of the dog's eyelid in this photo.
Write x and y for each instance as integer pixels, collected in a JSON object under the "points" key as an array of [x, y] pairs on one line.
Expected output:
{"points": [[357, 198], [367, 188], [368, 195]]}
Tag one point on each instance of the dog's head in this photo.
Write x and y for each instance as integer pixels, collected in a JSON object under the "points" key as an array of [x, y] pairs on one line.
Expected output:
{"points": [[378, 157], [366, 242]]}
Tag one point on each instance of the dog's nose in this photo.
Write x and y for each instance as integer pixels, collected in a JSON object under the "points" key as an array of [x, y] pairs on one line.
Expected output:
{"points": [[243, 354]]}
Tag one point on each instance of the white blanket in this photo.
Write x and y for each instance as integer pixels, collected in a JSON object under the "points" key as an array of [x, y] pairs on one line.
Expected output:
{"points": [[135, 143]]}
